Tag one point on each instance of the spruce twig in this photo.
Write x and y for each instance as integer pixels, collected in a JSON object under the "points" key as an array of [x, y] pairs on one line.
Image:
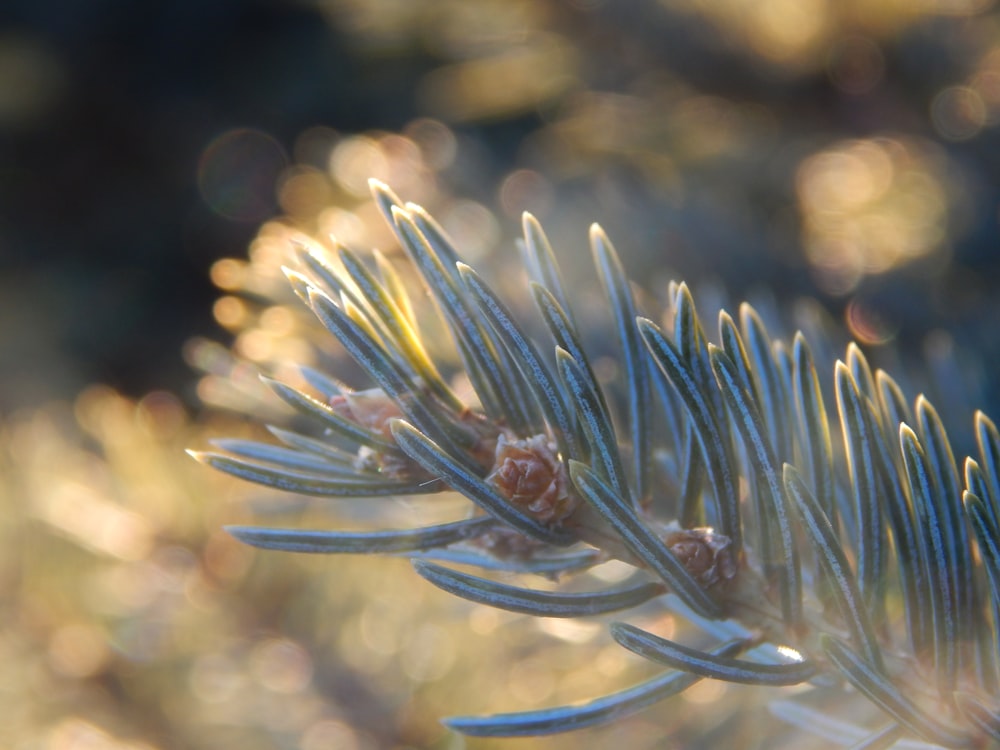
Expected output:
{"points": [[882, 573]]}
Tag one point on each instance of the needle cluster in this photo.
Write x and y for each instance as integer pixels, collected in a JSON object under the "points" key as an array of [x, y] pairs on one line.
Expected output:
{"points": [[779, 520]]}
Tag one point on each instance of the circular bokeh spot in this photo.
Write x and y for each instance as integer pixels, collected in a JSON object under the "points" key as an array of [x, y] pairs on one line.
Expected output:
{"points": [[238, 172], [958, 113]]}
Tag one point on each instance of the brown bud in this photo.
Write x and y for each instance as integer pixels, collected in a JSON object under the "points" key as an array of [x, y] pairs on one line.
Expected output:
{"points": [[529, 473], [373, 409], [706, 554]]}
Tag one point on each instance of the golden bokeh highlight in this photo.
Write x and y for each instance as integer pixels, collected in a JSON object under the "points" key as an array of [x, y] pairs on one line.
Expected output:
{"points": [[281, 665], [571, 631], [76, 733], [437, 142], [871, 205], [783, 32], [705, 693], [304, 191], [330, 733], [230, 312], [354, 160], [508, 81], [78, 650]]}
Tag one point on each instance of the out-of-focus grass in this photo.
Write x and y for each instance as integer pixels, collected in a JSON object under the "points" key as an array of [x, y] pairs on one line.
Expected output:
{"points": [[131, 621]]}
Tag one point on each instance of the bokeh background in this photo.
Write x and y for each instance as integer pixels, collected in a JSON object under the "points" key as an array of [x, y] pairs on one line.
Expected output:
{"points": [[845, 152]]}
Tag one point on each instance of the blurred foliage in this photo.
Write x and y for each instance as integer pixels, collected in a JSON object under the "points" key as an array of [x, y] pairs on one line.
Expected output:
{"points": [[133, 622], [842, 150]]}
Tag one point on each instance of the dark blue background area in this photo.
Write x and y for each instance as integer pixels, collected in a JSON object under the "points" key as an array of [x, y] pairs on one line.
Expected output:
{"points": [[103, 233]]}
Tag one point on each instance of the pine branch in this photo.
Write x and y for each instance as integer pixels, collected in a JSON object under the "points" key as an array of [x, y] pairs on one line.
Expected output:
{"points": [[878, 565]]}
